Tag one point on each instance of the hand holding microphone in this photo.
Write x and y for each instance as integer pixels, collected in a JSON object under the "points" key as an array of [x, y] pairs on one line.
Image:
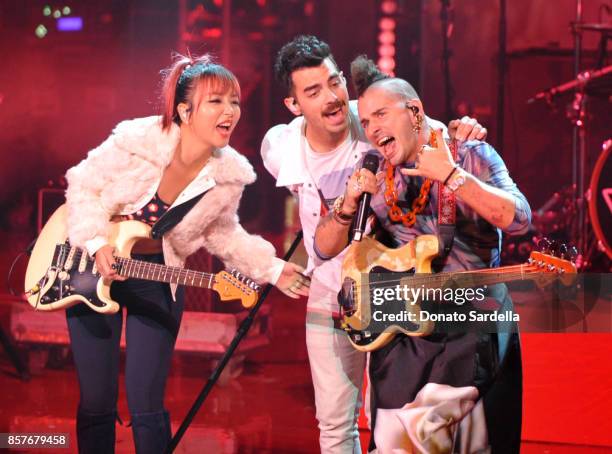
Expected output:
{"points": [[361, 186]]}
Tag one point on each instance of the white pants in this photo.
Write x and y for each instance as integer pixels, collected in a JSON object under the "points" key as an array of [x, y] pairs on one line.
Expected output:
{"points": [[337, 375]]}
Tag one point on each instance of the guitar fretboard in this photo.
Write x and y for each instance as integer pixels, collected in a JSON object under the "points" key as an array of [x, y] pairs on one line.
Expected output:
{"points": [[475, 278], [170, 274]]}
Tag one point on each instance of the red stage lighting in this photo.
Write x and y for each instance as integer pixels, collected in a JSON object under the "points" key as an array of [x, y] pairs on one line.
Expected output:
{"points": [[386, 23]]}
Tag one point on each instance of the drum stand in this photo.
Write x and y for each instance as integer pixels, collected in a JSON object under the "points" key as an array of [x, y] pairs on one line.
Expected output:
{"points": [[577, 114]]}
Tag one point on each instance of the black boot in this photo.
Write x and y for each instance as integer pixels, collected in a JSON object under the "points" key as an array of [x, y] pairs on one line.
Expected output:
{"points": [[96, 432], [151, 432]]}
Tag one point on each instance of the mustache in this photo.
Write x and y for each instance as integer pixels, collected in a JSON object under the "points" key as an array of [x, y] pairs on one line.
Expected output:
{"points": [[334, 106]]}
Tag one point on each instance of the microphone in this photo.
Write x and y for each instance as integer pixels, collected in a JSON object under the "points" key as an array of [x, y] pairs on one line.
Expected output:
{"points": [[370, 162]]}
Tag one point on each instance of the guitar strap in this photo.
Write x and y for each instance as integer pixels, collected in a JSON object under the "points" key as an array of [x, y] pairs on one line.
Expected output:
{"points": [[446, 212], [173, 216]]}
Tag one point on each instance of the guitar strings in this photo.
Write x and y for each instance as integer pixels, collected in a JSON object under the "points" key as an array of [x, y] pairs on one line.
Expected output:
{"points": [[425, 277], [512, 272], [141, 266], [138, 268]]}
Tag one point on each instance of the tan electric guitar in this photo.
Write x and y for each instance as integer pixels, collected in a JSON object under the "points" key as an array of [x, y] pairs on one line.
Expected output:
{"points": [[60, 275], [370, 268]]}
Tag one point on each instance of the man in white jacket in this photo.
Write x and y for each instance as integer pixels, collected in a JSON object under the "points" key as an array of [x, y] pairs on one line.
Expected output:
{"points": [[313, 157]]}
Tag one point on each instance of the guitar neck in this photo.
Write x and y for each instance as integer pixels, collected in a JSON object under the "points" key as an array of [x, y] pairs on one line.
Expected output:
{"points": [[161, 273], [478, 278]]}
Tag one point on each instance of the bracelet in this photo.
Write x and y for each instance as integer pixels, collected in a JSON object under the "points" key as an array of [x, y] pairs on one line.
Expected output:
{"points": [[337, 209], [452, 172], [341, 219]]}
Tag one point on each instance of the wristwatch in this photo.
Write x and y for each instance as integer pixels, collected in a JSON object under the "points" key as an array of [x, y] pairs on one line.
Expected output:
{"points": [[457, 180], [337, 207]]}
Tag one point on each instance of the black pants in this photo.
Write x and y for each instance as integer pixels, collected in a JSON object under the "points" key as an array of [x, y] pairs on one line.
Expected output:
{"points": [[152, 325]]}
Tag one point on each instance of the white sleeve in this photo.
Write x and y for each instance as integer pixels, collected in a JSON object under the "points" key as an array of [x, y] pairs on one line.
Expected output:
{"points": [[272, 150]]}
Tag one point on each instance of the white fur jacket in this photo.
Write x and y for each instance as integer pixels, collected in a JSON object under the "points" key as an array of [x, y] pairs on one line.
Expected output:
{"points": [[121, 176]]}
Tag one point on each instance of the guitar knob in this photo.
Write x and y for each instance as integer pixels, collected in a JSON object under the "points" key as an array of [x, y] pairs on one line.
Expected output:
{"points": [[563, 250]]}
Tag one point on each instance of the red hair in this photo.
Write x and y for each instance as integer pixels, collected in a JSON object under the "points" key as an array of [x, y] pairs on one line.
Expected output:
{"points": [[182, 79]]}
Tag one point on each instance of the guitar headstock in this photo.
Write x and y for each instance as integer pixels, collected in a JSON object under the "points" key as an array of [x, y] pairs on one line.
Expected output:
{"points": [[232, 285], [547, 264]]}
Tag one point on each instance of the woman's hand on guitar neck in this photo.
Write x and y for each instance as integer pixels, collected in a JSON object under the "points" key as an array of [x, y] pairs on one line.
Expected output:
{"points": [[105, 261]]}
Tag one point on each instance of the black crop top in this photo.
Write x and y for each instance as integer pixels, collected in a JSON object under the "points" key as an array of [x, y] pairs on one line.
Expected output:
{"points": [[151, 212]]}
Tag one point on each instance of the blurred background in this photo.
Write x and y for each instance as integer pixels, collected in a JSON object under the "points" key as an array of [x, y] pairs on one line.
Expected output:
{"points": [[71, 70]]}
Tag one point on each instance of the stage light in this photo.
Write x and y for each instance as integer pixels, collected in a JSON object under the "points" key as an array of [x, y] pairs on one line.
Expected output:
{"points": [[47, 10], [41, 31], [386, 23], [70, 24], [386, 50], [386, 65], [66, 10], [213, 32], [386, 37], [57, 14], [389, 7]]}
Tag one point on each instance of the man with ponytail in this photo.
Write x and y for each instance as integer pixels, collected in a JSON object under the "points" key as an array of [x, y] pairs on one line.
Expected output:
{"points": [[449, 391], [149, 167], [313, 157]]}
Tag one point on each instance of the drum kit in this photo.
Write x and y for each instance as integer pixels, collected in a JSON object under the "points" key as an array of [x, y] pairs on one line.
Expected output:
{"points": [[564, 216]]}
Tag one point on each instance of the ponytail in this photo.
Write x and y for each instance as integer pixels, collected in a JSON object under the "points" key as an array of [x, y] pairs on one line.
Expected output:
{"points": [[181, 79]]}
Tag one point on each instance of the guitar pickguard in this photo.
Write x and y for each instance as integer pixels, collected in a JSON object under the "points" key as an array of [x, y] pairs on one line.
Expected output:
{"points": [[69, 279], [379, 281], [370, 267]]}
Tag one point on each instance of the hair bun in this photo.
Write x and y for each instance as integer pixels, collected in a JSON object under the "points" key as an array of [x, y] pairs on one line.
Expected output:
{"points": [[364, 73]]}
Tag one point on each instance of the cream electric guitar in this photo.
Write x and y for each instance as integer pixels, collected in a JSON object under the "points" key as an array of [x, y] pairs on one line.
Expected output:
{"points": [[368, 270], [60, 275]]}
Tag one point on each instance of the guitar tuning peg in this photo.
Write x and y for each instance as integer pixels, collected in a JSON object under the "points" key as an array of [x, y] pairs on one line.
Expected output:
{"points": [[544, 245], [563, 250], [573, 253], [554, 248]]}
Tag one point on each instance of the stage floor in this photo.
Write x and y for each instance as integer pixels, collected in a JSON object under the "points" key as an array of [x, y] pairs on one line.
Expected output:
{"points": [[268, 409]]}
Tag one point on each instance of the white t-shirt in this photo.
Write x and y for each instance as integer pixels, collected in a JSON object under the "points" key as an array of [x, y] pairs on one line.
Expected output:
{"points": [[332, 169]]}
